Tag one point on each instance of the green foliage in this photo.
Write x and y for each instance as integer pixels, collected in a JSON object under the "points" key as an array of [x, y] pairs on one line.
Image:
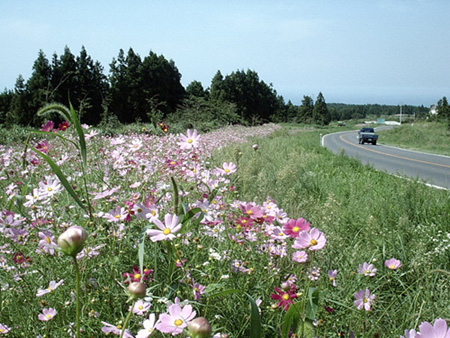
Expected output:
{"points": [[320, 114], [431, 137]]}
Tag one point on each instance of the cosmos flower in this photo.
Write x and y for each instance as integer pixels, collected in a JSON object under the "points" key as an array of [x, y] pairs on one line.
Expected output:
{"points": [[4, 329], [363, 299], [300, 256], [285, 298], [51, 287], [332, 276], [438, 330], [47, 314], [176, 319], [367, 269], [167, 230], [313, 240], [293, 227], [190, 140], [393, 264], [149, 327], [116, 330]]}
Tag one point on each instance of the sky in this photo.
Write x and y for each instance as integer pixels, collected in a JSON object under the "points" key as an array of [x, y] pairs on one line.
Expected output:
{"points": [[353, 51]]}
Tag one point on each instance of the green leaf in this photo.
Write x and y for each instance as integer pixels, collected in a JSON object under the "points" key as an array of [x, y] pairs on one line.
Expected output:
{"points": [[291, 319], [141, 247], [57, 171], [79, 129], [255, 319], [313, 303]]}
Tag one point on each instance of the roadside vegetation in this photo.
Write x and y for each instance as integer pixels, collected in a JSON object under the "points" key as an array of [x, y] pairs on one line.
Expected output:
{"points": [[260, 230], [432, 137]]}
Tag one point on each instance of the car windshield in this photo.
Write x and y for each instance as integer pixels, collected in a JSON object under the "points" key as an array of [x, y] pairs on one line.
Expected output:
{"points": [[367, 130]]}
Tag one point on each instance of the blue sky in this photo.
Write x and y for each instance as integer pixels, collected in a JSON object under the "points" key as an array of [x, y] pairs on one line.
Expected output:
{"points": [[358, 52]]}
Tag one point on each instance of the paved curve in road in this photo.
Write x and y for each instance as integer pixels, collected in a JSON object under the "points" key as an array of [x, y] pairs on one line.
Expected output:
{"points": [[432, 169]]}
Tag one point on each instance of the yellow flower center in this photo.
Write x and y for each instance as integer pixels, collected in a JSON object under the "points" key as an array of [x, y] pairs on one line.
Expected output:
{"points": [[190, 140], [249, 212], [295, 229], [48, 316], [166, 231], [365, 300], [117, 216], [227, 170], [47, 240], [140, 307], [285, 296], [178, 322], [49, 189], [137, 276], [313, 242], [392, 266], [153, 212]]}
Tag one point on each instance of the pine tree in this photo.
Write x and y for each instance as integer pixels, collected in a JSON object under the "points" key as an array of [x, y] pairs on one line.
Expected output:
{"points": [[320, 112], [19, 112], [305, 112]]}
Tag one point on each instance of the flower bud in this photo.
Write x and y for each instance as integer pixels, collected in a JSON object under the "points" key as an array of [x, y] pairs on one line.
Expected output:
{"points": [[255, 147], [199, 328], [136, 290], [72, 240]]}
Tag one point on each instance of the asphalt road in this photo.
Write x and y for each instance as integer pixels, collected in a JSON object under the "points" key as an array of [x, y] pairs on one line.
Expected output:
{"points": [[431, 169]]}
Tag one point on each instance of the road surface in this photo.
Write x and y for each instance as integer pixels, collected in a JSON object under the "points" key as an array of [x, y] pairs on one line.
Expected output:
{"points": [[432, 169]]}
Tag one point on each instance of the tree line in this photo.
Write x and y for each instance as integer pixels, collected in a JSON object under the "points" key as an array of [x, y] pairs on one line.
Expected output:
{"points": [[149, 89]]}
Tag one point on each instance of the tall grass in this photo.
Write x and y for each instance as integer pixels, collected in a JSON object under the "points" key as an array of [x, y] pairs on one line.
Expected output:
{"points": [[368, 216], [433, 137]]}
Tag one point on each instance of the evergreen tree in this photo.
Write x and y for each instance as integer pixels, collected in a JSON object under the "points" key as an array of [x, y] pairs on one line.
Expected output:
{"points": [[39, 87], [195, 88], [63, 79], [443, 110], [320, 112], [19, 112], [5, 104], [305, 112], [216, 90]]}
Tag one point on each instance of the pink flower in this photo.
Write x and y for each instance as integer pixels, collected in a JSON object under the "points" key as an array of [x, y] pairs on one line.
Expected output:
{"points": [[167, 230], [52, 286], [108, 328], [293, 227], [300, 256], [149, 327], [227, 168], [284, 297], [4, 329], [332, 276], [410, 334], [176, 319], [136, 275], [363, 299], [190, 141], [313, 240], [48, 126], [393, 264], [367, 269], [47, 314], [141, 307], [438, 330], [47, 242]]}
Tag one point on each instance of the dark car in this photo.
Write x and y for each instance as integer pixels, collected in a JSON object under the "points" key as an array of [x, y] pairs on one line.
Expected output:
{"points": [[367, 135]]}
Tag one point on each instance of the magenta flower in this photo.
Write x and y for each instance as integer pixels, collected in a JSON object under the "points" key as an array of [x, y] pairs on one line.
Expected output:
{"points": [[285, 298], [313, 240], [438, 330], [48, 126], [176, 319], [136, 275], [293, 227], [363, 299], [367, 269], [47, 314], [393, 264], [190, 141], [300, 256], [167, 230]]}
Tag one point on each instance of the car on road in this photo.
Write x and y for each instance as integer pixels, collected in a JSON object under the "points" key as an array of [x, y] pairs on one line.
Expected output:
{"points": [[367, 135]]}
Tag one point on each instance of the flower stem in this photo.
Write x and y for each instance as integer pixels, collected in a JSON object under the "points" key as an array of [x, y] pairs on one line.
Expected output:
{"points": [[78, 293], [127, 319]]}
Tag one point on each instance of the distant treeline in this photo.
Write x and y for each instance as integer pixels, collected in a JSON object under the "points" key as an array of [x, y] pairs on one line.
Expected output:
{"points": [[149, 90]]}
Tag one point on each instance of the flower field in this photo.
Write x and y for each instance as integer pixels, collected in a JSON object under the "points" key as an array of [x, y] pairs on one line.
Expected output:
{"points": [[88, 219]]}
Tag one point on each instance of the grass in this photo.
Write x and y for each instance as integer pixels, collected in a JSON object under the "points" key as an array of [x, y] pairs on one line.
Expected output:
{"points": [[432, 137], [224, 263], [368, 216]]}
